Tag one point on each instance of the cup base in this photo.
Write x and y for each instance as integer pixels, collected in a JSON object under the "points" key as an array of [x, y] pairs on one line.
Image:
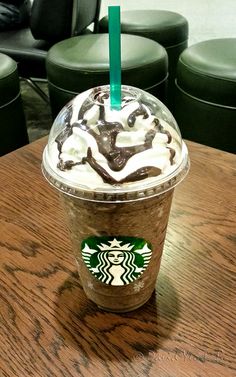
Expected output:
{"points": [[126, 310]]}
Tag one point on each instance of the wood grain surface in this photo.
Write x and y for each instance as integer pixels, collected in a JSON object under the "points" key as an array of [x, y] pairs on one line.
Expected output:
{"points": [[49, 328]]}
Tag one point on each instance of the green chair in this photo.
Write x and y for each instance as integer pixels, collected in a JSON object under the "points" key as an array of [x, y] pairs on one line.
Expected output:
{"points": [[205, 100], [170, 29], [12, 119], [82, 62]]}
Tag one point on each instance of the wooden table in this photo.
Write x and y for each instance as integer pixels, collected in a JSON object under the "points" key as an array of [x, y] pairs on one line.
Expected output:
{"points": [[47, 326]]}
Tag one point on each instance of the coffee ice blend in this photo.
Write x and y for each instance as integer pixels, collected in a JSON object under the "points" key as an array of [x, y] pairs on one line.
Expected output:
{"points": [[116, 171]]}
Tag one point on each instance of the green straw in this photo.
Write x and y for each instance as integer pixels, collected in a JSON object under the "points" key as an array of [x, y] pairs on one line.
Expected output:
{"points": [[114, 56]]}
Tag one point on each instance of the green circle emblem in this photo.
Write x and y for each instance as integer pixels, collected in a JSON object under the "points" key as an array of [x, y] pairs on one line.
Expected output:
{"points": [[116, 260]]}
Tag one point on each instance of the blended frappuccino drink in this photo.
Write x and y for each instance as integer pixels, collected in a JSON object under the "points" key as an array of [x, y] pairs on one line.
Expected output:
{"points": [[116, 171]]}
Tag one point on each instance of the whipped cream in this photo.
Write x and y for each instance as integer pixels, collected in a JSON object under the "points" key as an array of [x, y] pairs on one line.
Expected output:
{"points": [[100, 147]]}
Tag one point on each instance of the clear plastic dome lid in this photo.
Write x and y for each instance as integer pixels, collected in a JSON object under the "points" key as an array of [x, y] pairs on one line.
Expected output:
{"points": [[97, 153]]}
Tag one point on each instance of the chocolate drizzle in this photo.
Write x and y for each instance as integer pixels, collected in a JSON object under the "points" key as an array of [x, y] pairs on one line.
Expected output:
{"points": [[140, 111], [117, 157], [142, 173]]}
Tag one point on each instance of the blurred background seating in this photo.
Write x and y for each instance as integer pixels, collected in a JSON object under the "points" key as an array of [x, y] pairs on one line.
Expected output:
{"points": [[79, 63], [170, 29], [205, 97], [50, 21], [12, 118]]}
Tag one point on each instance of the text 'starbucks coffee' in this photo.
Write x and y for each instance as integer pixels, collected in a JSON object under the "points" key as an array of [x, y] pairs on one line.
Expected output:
{"points": [[116, 171]]}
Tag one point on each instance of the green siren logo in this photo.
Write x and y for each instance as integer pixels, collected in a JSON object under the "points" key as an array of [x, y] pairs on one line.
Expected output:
{"points": [[116, 260]]}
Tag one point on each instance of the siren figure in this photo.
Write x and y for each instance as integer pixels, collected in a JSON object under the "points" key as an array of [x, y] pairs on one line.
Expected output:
{"points": [[116, 264]]}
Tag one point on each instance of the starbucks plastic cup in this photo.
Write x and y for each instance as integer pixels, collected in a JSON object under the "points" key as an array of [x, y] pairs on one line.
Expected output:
{"points": [[116, 171]]}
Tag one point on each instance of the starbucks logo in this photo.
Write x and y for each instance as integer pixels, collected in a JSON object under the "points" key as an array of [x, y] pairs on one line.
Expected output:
{"points": [[116, 260]]}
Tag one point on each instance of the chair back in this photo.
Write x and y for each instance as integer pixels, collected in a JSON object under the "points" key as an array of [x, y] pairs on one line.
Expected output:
{"points": [[85, 12], [55, 20]]}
